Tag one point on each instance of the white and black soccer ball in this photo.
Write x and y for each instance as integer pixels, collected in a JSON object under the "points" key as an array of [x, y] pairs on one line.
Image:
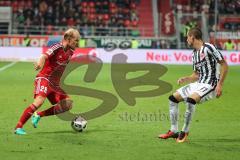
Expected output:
{"points": [[79, 124]]}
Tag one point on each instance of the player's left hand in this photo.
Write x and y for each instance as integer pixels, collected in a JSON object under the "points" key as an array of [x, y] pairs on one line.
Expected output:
{"points": [[37, 66], [218, 90]]}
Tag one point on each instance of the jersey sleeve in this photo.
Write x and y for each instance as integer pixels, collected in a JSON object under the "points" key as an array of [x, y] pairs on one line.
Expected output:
{"points": [[51, 50], [194, 68], [217, 55], [193, 61]]}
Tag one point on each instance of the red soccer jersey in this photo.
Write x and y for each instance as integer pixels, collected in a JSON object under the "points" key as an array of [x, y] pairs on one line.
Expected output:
{"points": [[56, 63]]}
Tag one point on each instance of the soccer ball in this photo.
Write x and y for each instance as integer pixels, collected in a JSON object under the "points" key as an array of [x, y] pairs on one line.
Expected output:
{"points": [[79, 124]]}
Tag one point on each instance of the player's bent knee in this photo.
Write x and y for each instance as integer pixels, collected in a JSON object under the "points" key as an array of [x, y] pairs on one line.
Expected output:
{"points": [[173, 99], [69, 104], [191, 100], [66, 104], [38, 101]]}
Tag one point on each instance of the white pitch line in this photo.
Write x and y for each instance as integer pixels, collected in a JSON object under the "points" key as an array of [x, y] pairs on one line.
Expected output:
{"points": [[7, 66]]}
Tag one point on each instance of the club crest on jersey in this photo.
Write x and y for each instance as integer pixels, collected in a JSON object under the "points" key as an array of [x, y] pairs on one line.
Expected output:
{"points": [[202, 56]]}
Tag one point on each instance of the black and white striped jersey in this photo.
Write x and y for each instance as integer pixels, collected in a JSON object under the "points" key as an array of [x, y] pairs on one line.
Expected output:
{"points": [[205, 63]]}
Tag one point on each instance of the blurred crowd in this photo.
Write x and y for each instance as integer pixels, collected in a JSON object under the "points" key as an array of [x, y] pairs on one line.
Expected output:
{"points": [[116, 17], [95, 15], [224, 6]]}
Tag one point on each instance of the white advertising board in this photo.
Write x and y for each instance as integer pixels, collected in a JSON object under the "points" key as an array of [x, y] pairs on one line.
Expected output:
{"points": [[158, 56]]}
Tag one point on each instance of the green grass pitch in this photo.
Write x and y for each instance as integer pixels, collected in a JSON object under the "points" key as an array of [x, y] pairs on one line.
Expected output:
{"points": [[125, 133]]}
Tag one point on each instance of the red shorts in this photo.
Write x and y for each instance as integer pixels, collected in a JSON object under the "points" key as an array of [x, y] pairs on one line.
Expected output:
{"points": [[44, 88]]}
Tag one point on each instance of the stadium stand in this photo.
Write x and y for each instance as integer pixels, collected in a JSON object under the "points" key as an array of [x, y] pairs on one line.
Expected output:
{"points": [[122, 18], [229, 8], [146, 17], [96, 15]]}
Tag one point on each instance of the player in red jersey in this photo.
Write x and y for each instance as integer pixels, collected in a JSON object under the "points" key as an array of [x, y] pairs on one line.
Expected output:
{"points": [[51, 64]]}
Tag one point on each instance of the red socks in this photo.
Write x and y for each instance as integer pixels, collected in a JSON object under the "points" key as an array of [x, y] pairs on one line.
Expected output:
{"points": [[26, 115], [51, 111], [32, 108]]}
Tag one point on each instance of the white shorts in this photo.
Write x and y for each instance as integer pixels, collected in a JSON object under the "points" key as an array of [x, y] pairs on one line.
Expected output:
{"points": [[205, 91]]}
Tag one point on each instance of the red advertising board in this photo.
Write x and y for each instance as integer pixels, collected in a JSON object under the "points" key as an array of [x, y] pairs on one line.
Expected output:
{"points": [[167, 18]]}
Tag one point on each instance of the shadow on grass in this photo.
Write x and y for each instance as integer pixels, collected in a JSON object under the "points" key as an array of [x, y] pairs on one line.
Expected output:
{"points": [[217, 144], [87, 131], [219, 140], [65, 137]]}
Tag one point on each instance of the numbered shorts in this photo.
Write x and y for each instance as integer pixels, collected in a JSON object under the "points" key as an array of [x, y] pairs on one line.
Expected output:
{"points": [[205, 91], [44, 88]]}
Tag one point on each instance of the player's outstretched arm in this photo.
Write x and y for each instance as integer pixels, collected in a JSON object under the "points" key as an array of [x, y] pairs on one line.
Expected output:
{"points": [[40, 63], [188, 79], [223, 74]]}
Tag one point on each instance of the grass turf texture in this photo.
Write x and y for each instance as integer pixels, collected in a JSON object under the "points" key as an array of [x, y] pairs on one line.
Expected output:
{"points": [[214, 131]]}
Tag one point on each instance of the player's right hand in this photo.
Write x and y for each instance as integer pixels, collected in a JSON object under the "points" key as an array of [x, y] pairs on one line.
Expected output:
{"points": [[181, 80]]}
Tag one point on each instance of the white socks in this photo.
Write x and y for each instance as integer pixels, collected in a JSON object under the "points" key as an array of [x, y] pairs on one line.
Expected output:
{"points": [[173, 111], [190, 109]]}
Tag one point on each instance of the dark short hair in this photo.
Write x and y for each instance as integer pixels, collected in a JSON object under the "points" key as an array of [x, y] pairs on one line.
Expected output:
{"points": [[195, 32]]}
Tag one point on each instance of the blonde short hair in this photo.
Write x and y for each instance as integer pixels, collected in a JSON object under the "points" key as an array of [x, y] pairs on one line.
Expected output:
{"points": [[71, 33]]}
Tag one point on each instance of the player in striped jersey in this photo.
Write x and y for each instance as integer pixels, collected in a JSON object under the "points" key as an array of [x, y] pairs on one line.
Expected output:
{"points": [[51, 64], [205, 83]]}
